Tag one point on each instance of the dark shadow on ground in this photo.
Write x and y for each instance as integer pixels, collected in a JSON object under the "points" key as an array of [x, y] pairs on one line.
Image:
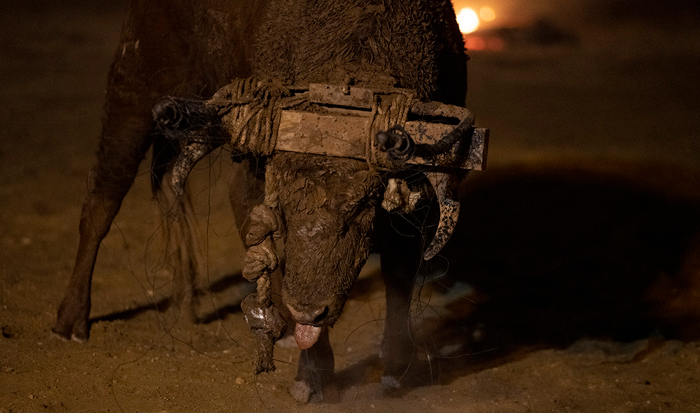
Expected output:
{"points": [[550, 256], [232, 286], [160, 306]]}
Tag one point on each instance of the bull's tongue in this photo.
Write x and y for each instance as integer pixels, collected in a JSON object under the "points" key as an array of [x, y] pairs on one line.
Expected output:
{"points": [[306, 336]]}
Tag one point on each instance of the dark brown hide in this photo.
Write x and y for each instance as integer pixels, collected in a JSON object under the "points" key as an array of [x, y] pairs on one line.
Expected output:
{"points": [[176, 47], [324, 41]]}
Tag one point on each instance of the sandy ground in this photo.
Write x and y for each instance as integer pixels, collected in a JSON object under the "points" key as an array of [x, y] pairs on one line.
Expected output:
{"points": [[575, 277]]}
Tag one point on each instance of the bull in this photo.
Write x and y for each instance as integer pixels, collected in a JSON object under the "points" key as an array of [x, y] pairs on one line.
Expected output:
{"points": [[327, 208]]}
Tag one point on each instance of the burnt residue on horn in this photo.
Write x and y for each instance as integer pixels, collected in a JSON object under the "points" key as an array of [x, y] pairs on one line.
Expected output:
{"points": [[196, 126], [188, 119]]}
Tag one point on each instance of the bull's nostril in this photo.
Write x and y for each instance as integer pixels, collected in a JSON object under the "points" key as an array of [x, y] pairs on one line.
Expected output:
{"points": [[310, 314], [321, 314]]}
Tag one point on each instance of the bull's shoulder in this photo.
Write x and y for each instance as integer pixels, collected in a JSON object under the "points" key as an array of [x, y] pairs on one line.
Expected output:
{"points": [[184, 46]]}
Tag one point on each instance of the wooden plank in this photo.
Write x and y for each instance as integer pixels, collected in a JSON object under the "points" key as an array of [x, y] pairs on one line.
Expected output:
{"points": [[345, 136], [330, 135]]}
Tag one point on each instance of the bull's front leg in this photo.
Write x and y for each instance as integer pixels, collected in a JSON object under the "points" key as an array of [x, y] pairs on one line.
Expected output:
{"points": [[400, 260], [125, 140], [315, 380]]}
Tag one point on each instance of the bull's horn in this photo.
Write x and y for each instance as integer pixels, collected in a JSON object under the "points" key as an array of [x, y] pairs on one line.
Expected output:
{"points": [[192, 153], [443, 184]]}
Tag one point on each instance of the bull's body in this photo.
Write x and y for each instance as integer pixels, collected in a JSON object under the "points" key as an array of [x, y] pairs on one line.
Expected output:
{"points": [[330, 206]]}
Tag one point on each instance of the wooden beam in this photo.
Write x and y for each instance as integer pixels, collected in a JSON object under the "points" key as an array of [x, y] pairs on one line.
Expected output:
{"points": [[346, 136]]}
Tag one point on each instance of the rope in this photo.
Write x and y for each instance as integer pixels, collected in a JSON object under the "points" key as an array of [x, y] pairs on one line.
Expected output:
{"points": [[252, 110], [388, 110]]}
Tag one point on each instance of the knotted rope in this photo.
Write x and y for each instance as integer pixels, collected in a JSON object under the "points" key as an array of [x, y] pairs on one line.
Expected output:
{"points": [[261, 261], [251, 110]]}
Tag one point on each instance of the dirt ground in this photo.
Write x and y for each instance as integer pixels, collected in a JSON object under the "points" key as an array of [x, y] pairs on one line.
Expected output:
{"points": [[575, 277]]}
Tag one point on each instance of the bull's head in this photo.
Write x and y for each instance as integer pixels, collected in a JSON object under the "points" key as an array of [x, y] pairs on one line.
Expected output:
{"points": [[327, 204]]}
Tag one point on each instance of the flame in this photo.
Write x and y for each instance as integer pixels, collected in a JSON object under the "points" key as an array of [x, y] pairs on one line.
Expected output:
{"points": [[468, 20]]}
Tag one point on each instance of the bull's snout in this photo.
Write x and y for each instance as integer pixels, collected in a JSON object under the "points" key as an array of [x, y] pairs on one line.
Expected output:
{"points": [[312, 314], [309, 322]]}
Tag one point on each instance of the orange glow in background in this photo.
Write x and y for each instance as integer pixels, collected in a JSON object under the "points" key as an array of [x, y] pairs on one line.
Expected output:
{"points": [[468, 20]]}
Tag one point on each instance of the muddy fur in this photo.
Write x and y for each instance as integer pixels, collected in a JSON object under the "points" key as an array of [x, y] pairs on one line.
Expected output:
{"points": [[329, 206], [416, 42]]}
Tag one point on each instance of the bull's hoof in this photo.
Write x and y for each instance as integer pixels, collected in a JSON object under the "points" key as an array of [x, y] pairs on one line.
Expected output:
{"points": [[301, 391], [57, 336], [61, 334], [390, 383], [76, 331], [72, 321]]}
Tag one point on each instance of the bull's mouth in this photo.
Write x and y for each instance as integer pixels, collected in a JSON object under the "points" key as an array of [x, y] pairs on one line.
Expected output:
{"points": [[306, 335], [309, 323]]}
